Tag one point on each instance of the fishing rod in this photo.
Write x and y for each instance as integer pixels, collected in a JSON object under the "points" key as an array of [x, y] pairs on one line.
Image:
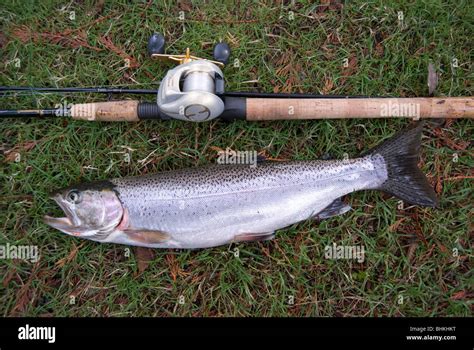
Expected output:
{"points": [[194, 91]]}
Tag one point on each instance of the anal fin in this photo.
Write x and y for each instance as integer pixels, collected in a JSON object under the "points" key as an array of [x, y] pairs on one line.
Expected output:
{"points": [[247, 237], [337, 207]]}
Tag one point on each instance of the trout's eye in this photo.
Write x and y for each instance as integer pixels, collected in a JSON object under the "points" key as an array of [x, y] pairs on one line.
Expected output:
{"points": [[74, 197]]}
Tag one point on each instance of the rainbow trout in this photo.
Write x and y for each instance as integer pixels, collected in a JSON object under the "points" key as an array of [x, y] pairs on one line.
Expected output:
{"points": [[216, 205]]}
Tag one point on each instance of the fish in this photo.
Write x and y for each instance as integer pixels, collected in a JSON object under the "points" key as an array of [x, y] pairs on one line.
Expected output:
{"points": [[216, 205]]}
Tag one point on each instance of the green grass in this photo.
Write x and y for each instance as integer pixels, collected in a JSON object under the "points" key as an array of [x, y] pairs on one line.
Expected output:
{"points": [[261, 281]]}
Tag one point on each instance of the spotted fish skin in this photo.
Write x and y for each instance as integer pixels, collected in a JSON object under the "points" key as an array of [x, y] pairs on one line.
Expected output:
{"points": [[210, 206], [215, 205]]}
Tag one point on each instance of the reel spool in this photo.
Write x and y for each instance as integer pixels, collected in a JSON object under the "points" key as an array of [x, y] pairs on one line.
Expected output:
{"points": [[190, 91]]}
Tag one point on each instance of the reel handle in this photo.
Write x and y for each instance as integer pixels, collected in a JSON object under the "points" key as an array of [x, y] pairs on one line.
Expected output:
{"points": [[221, 52], [156, 44]]}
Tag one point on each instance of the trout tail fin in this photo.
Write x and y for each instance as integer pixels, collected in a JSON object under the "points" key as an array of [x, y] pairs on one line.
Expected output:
{"points": [[404, 179]]}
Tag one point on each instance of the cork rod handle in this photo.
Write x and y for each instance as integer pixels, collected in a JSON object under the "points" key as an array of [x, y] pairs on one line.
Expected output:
{"points": [[112, 111], [342, 108]]}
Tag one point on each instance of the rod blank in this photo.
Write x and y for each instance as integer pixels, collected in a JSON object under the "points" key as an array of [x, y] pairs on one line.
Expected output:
{"points": [[99, 90]]}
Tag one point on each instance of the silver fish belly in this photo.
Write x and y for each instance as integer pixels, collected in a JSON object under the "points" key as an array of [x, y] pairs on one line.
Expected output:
{"points": [[211, 206]]}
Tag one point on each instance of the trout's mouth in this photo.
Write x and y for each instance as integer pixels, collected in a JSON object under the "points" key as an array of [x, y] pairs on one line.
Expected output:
{"points": [[68, 224]]}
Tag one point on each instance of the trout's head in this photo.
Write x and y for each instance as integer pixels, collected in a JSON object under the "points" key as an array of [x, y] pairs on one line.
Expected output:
{"points": [[91, 210]]}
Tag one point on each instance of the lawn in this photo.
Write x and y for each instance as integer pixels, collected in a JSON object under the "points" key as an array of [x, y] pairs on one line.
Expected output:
{"points": [[417, 260]]}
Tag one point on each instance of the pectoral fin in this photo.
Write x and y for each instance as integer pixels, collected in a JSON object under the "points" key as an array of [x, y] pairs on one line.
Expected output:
{"points": [[337, 207], [246, 237], [147, 236]]}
